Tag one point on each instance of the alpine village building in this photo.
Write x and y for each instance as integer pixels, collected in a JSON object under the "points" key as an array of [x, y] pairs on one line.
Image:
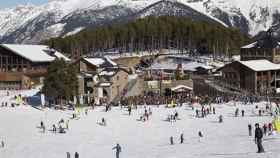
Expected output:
{"points": [[101, 80], [258, 71], [21, 66]]}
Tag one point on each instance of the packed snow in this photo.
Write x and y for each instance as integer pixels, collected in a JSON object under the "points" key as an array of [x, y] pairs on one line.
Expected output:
{"points": [[150, 139]]}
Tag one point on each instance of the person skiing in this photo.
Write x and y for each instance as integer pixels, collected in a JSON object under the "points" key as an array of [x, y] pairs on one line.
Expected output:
{"points": [[242, 113], [260, 112], [103, 122], [41, 124], [182, 138], [214, 110], [236, 112], [76, 155], [250, 129], [221, 119], [86, 111], [118, 150], [196, 113], [270, 127], [129, 110], [264, 129], [200, 135], [54, 128], [2, 144], [171, 141], [68, 155], [67, 124], [258, 138]]}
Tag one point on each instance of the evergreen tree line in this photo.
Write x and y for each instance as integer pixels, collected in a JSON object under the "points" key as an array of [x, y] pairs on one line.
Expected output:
{"points": [[154, 33]]}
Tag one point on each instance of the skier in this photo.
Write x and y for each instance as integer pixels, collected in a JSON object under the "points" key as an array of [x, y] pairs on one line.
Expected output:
{"points": [[242, 113], [264, 129], [67, 124], [260, 112], [200, 135], [176, 115], [76, 155], [270, 127], [129, 110], [221, 119], [236, 112], [171, 141], [103, 122], [2, 144], [214, 110], [182, 138], [68, 155], [258, 138], [196, 113], [250, 129], [41, 124], [118, 150], [54, 128]]}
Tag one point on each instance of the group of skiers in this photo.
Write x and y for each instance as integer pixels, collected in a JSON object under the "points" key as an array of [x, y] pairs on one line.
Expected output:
{"points": [[76, 155], [56, 129], [173, 117], [236, 114], [4, 104], [181, 139], [204, 111], [146, 115]]}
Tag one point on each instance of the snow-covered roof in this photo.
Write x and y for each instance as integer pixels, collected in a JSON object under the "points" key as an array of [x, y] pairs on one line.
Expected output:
{"points": [[190, 66], [107, 73], [260, 65], [250, 45], [105, 84], [34, 53], [100, 61], [111, 61], [181, 87]]}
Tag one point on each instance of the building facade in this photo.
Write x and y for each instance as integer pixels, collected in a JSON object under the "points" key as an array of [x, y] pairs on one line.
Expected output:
{"points": [[253, 76], [266, 48], [21, 66]]}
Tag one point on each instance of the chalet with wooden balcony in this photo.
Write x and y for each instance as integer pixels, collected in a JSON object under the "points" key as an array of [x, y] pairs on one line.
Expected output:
{"points": [[255, 76], [267, 48], [23, 65]]}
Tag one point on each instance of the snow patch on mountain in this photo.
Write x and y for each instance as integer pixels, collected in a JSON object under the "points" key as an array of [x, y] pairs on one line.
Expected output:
{"points": [[24, 22], [74, 31]]}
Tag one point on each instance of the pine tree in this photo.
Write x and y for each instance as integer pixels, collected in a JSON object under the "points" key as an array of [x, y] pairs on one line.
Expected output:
{"points": [[61, 82]]}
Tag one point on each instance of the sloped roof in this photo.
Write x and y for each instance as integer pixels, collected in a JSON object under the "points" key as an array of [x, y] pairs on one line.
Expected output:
{"points": [[181, 87], [109, 72], [34, 53], [100, 61], [190, 66], [268, 41], [260, 65]]}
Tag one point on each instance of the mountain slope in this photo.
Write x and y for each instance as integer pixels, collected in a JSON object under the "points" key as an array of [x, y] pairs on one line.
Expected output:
{"points": [[173, 8], [31, 24]]}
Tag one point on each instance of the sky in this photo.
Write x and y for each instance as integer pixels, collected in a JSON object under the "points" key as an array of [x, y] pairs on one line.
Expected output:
{"points": [[13, 3]]}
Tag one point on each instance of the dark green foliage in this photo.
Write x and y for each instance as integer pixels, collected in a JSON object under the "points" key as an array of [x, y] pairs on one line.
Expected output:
{"points": [[153, 33], [61, 82]]}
